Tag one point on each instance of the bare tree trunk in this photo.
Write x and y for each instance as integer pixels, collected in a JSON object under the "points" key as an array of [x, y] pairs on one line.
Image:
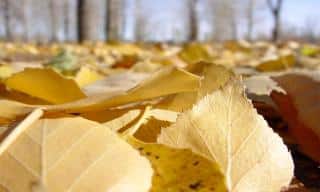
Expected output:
{"points": [[3, 19], [250, 19], [38, 21], [276, 11], [64, 19], [205, 19], [71, 15], [234, 27], [123, 19], [17, 20], [94, 20], [115, 19], [58, 20], [193, 20]]}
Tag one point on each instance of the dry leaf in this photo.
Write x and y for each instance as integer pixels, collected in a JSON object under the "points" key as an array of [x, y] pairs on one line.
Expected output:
{"points": [[155, 86], [120, 122], [5, 71], [180, 169], [213, 77], [164, 82], [225, 128], [194, 52], [301, 109], [262, 85], [281, 62], [115, 83], [45, 84], [149, 124], [72, 154], [12, 109], [86, 76]]}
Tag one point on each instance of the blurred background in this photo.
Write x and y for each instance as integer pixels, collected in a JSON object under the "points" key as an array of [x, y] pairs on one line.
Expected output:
{"points": [[159, 20]]}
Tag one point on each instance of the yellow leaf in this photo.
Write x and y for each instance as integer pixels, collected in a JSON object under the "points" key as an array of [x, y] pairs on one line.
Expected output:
{"points": [[213, 77], [72, 154], [148, 125], [155, 120], [225, 128], [87, 76], [120, 122], [195, 52], [45, 84], [153, 87], [282, 62], [164, 82], [5, 71], [11, 109], [16, 132], [115, 83], [180, 169]]}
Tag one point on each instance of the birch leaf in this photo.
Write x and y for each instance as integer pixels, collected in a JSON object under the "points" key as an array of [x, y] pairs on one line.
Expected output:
{"points": [[281, 62], [155, 86], [120, 122], [148, 126], [72, 154], [225, 128], [11, 109], [164, 82], [180, 169], [213, 77], [156, 120], [86, 76], [5, 71], [115, 83], [45, 84]]}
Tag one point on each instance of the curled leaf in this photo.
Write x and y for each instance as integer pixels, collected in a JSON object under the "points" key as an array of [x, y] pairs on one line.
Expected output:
{"points": [[45, 84]]}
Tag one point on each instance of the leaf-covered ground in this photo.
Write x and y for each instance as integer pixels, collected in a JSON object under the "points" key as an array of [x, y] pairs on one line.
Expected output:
{"points": [[231, 116]]}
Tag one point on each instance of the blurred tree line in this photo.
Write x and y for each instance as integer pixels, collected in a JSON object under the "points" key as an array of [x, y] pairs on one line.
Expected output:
{"points": [[142, 20]]}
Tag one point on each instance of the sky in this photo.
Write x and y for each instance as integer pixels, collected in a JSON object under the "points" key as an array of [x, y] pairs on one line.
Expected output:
{"points": [[295, 13], [162, 13], [298, 11]]}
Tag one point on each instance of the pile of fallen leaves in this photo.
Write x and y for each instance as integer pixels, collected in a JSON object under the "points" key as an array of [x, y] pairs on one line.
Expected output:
{"points": [[233, 116]]}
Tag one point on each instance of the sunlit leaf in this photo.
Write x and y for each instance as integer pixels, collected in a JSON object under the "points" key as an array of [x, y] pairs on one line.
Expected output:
{"points": [[225, 128]]}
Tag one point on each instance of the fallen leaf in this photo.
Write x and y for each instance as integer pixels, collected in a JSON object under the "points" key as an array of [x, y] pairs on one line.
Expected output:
{"points": [[8, 94], [194, 52], [16, 132], [164, 82], [281, 62], [5, 71], [213, 77], [225, 128], [45, 84], [115, 83], [120, 122], [153, 87], [262, 85], [64, 61], [72, 154], [180, 169], [148, 126], [127, 61], [301, 109], [86, 76], [12, 109]]}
